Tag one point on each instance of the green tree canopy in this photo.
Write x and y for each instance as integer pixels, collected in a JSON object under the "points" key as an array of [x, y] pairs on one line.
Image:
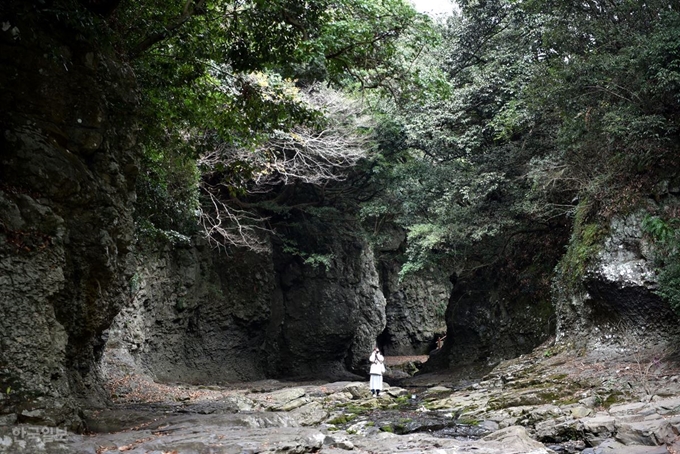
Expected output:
{"points": [[552, 108], [231, 84]]}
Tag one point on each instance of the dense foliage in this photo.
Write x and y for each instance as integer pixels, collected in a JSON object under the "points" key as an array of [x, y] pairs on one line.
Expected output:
{"points": [[234, 109], [511, 123], [465, 191], [557, 115], [666, 233]]}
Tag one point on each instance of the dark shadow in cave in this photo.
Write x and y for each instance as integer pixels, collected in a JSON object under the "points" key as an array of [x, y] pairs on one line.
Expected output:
{"points": [[383, 340]]}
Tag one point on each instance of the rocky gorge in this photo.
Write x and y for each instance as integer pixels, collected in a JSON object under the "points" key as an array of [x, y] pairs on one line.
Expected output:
{"points": [[112, 341]]}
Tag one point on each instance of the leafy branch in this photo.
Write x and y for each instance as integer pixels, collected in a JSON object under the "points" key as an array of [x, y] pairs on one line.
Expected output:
{"points": [[191, 8]]}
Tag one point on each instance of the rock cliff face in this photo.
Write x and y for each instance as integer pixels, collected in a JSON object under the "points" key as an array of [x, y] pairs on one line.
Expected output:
{"points": [[486, 324], [67, 173], [325, 320], [415, 305], [196, 316], [504, 308], [69, 263], [617, 289], [199, 316]]}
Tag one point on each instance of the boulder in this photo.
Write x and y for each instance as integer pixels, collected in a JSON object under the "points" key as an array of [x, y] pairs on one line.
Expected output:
{"points": [[397, 392], [653, 430], [310, 414], [338, 441], [358, 390], [580, 412], [599, 428], [558, 430], [284, 400]]}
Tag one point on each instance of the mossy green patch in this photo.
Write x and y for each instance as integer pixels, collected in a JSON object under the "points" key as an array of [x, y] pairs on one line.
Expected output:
{"points": [[468, 421], [342, 419], [436, 405], [499, 403], [558, 377], [351, 407], [549, 397], [613, 398], [402, 400], [399, 429], [529, 383], [585, 243]]}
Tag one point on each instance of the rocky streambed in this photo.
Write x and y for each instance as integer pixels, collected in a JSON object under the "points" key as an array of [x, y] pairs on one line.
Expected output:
{"points": [[558, 399]]}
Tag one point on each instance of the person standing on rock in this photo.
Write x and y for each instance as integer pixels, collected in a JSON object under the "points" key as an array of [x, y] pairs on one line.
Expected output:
{"points": [[377, 370]]}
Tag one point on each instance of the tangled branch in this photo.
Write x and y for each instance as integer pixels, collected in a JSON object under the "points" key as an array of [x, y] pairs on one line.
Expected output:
{"points": [[306, 154], [225, 225]]}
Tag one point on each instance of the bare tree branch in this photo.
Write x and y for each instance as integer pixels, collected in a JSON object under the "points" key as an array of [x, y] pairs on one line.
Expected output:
{"points": [[304, 154], [224, 225]]}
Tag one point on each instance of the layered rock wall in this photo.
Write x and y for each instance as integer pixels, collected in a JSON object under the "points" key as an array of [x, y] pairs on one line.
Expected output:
{"points": [[68, 261], [485, 324], [326, 319], [196, 316], [415, 307], [502, 309]]}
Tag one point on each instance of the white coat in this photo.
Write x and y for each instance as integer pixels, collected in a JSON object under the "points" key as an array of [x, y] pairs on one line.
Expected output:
{"points": [[377, 366]]}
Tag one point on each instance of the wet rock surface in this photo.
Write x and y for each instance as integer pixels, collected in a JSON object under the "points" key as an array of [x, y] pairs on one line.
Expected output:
{"points": [[554, 400]]}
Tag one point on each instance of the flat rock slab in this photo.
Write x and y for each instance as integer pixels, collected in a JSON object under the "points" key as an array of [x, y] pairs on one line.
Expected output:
{"points": [[614, 447], [513, 440], [186, 434], [270, 433]]}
